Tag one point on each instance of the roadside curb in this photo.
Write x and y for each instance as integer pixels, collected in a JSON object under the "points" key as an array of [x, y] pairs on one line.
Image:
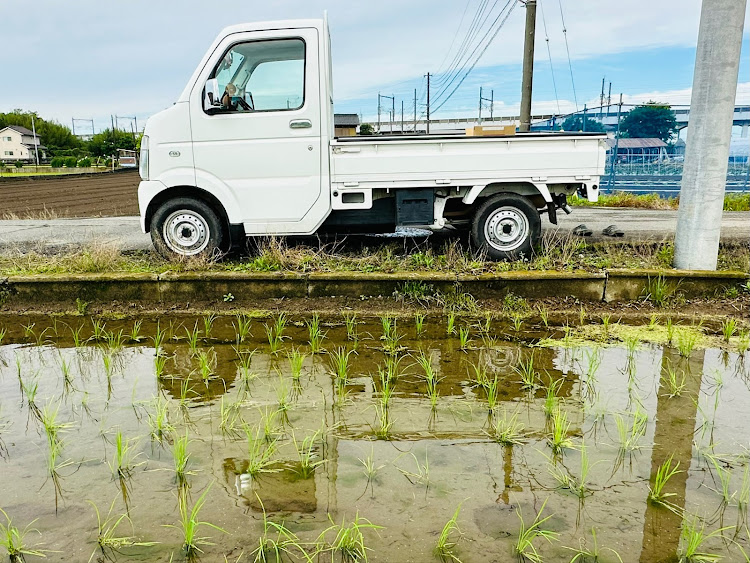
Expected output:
{"points": [[171, 289]]}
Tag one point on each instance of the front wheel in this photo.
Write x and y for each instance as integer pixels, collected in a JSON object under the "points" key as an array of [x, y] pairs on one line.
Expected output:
{"points": [[185, 227], [507, 227]]}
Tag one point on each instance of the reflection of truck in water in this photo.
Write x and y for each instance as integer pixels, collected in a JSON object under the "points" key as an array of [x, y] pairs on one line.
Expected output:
{"points": [[127, 158], [249, 150]]}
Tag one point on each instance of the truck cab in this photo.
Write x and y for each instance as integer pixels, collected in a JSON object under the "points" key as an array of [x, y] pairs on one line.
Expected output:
{"points": [[248, 150]]}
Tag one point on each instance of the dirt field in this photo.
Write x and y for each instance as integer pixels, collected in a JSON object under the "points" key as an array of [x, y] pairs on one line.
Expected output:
{"points": [[108, 194]]}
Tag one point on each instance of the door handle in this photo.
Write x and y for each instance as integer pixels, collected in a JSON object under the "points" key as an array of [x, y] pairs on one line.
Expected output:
{"points": [[300, 124]]}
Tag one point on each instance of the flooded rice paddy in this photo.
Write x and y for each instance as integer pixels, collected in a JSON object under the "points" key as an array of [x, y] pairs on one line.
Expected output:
{"points": [[332, 440]]}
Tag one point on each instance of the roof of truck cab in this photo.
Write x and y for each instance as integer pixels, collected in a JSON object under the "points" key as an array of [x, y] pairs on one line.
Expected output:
{"points": [[270, 25]]}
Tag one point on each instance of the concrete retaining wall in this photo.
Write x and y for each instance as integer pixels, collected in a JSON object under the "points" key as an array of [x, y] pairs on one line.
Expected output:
{"points": [[63, 291]]}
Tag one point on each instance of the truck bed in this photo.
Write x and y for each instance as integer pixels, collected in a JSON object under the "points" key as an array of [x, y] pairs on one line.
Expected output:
{"points": [[460, 160]]}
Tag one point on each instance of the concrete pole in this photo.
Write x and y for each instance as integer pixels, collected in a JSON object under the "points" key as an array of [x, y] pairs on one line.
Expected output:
{"points": [[528, 66], [717, 61]]}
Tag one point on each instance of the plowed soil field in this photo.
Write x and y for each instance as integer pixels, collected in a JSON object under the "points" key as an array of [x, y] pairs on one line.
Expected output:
{"points": [[107, 194]]}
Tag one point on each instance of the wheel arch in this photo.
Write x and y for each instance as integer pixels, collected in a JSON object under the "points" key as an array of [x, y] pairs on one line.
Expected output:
{"points": [[528, 189]]}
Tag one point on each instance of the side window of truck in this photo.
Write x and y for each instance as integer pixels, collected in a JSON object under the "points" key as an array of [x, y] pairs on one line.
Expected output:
{"points": [[262, 76]]}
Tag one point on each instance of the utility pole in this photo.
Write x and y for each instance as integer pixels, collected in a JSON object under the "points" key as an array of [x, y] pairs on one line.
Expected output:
{"points": [[611, 183], [393, 111], [609, 98], [36, 141], [480, 104], [378, 112], [492, 104], [428, 103], [601, 99], [415, 110], [402, 117], [704, 176], [528, 67]]}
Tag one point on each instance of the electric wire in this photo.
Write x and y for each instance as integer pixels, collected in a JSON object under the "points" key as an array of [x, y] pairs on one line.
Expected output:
{"points": [[567, 48], [511, 5], [455, 36], [549, 55]]}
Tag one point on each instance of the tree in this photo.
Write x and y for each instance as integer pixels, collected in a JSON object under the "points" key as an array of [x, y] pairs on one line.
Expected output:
{"points": [[57, 138], [649, 121], [106, 143], [366, 129], [575, 123]]}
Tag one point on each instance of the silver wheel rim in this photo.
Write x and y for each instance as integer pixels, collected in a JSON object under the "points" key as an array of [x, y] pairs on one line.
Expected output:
{"points": [[506, 229], [186, 232]]}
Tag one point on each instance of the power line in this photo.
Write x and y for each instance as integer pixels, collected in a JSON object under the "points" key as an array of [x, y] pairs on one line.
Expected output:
{"points": [[455, 36], [549, 55], [512, 5], [567, 48]]}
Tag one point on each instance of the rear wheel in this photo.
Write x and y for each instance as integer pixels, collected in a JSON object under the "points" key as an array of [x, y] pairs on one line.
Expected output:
{"points": [[507, 226], [185, 227]]}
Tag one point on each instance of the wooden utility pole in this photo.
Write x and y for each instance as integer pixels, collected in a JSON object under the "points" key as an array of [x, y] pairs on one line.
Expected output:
{"points": [[528, 66]]}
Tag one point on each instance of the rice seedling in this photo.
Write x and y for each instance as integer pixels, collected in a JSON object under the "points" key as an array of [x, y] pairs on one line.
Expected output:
{"points": [[28, 330], [135, 332], [340, 364], [308, 458], [491, 390], [578, 485], [383, 423], [269, 424], [386, 386], [692, 538], [208, 325], [558, 439], [3, 332], [107, 539], [114, 341], [283, 400], [543, 315], [108, 360], [66, 375], [743, 342], [451, 324], [369, 468], [529, 376], [160, 365], [632, 345], [479, 376], [430, 377], [686, 342], [296, 359], [158, 420], [630, 435], [675, 383], [445, 550], [275, 333], [584, 554], [419, 323], [181, 457], [666, 471], [516, 320], [508, 431], [582, 316], [13, 540], [190, 524], [29, 389], [392, 341], [422, 474], [658, 291], [193, 336], [315, 333], [388, 325], [276, 542], [349, 542], [464, 337], [260, 452], [185, 389], [728, 329], [78, 341], [724, 475], [98, 330], [123, 460], [350, 320], [40, 339], [207, 364], [241, 326], [230, 417], [669, 325], [524, 547], [550, 397], [158, 339]]}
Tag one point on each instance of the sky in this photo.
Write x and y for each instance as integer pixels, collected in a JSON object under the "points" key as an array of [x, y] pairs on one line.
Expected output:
{"points": [[89, 59]]}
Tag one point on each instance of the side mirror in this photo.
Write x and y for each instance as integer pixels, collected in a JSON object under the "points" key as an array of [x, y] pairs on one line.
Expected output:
{"points": [[211, 96]]}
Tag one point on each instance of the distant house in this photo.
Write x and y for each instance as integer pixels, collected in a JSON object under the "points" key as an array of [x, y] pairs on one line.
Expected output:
{"points": [[345, 124], [18, 143], [652, 148]]}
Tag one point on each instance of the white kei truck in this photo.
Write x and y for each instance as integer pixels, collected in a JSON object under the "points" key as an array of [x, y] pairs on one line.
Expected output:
{"points": [[248, 150]]}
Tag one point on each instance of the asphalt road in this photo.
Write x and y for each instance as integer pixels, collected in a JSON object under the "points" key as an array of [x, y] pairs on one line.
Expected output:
{"points": [[60, 234]]}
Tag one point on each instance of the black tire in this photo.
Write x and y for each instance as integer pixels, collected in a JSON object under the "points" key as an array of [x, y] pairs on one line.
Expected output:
{"points": [[184, 227], [507, 227]]}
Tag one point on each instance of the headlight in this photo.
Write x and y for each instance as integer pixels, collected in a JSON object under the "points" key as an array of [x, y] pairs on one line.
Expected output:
{"points": [[143, 168]]}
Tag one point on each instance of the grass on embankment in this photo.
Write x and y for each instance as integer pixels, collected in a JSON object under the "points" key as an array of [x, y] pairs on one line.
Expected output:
{"points": [[557, 252], [732, 202]]}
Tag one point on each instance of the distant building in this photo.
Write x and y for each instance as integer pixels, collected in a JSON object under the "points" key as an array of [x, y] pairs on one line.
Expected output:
{"points": [[345, 124], [18, 143], [654, 148]]}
